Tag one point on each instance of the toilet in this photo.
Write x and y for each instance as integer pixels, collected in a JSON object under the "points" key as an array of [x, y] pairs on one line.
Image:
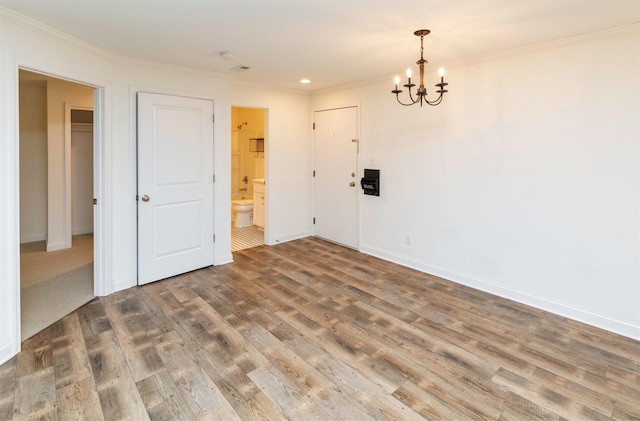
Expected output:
{"points": [[244, 212]]}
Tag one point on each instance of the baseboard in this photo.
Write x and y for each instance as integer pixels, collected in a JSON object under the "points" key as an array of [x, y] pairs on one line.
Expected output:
{"points": [[81, 231], [223, 260], [292, 237], [56, 246], [32, 238], [597, 320], [123, 284], [7, 351], [43, 237]]}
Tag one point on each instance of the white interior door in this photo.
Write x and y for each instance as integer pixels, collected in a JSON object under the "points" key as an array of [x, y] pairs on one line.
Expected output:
{"points": [[336, 169], [175, 185]]}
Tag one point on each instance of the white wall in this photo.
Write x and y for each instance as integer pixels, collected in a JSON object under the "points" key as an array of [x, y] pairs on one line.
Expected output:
{"points": [[287, 155], [33, 161], [524, 182], [28, 45]]}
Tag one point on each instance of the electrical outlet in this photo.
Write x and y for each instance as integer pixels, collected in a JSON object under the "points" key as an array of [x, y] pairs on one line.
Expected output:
{"points": [[407, 239]]}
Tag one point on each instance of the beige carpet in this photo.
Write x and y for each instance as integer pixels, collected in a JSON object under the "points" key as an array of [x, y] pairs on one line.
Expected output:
{"points": [[54, 284]]}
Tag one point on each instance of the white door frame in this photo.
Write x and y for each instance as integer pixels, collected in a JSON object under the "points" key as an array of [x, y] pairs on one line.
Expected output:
{"points": [[68, 107], [101, 99]]}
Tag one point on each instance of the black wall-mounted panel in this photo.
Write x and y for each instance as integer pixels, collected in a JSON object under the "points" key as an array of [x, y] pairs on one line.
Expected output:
{"points": [[370, 183]]}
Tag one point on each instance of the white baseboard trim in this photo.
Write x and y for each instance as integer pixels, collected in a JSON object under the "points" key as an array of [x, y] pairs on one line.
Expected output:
{"points": [[56, 246], [81, 231], [223, 260], [597, 320], [7, 351], [123, 284], [291, 237], [32, 238]]}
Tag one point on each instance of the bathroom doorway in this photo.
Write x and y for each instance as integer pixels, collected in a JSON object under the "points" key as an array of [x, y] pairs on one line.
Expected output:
{"points": [[248, 184]]}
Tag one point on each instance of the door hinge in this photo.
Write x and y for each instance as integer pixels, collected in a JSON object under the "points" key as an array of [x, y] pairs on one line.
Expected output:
{"points": [[214, 178], [314, 221], [213, 118], [214, 238], [95, 201], [314, 173], [314, 126]]}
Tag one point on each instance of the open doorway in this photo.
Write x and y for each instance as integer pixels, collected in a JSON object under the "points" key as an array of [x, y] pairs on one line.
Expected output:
{"points": [[248, 183], [56, 199]]}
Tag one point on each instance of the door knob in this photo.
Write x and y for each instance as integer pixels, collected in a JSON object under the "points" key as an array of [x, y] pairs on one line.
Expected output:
{"points": [[352, 184], [145, 198]]}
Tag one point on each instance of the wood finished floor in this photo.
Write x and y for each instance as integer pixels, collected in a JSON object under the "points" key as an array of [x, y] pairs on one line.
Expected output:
{"points": [[309, 330]]}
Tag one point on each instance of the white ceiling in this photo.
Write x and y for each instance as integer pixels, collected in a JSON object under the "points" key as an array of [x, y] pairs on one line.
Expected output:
{"points": [[331, 42]]}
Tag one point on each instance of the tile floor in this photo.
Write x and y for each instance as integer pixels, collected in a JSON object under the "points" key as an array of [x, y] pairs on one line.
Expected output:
{"points": [[244, 238]]}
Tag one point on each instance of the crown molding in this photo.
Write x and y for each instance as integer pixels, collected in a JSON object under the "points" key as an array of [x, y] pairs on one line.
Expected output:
{"points": [[173, 67], [254, 85], [545, 45], [37, 26]]}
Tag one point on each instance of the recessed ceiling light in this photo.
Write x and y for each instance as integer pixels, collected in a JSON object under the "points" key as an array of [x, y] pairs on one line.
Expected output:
{"points": [[305, 81]]}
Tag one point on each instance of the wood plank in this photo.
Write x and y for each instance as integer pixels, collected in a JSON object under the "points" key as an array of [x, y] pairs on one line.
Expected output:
{"points": [[202, 396], [79, 401], [311, 383], [282, 392], [35, 396], [70, 358], [243, 395], [119, 397], [130, 325], [358, 384], [8, 381], [93, 319], [552, 398], [36, 354], [162, 399]]}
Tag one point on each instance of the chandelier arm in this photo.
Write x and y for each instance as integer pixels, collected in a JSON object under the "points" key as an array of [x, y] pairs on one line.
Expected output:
{"points": [[402, 103], [406, 105], [413, 101], [435, 101]]}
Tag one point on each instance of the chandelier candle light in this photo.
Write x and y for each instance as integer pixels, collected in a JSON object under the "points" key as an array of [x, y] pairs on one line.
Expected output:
{"points": [[421, 91]]}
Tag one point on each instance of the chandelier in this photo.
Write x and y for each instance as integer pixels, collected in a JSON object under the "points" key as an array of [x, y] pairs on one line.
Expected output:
{"points": [[421, 92]]}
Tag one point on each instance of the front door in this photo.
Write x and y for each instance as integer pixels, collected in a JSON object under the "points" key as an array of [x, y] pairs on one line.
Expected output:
{"points": [[175, 185], [335, 173]]}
